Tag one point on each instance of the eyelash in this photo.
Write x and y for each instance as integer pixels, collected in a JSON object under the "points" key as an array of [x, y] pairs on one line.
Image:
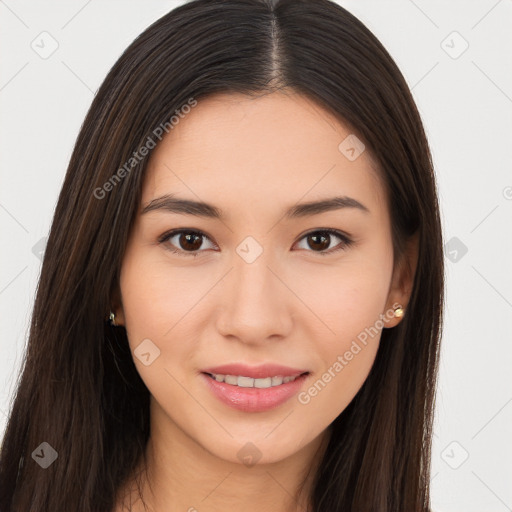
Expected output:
{"points": [[346, 241]]}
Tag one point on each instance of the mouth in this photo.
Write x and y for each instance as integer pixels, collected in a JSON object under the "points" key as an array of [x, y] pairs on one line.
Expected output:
{"points": [[265, 388], [243, 381]]}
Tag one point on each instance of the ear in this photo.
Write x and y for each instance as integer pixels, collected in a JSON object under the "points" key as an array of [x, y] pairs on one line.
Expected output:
{"points": [[117, 306], [402, 280]]}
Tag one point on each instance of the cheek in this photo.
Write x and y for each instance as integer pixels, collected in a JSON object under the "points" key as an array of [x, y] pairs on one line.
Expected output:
{"points": [[348, 297], [350, 303], [344, 358], [158, 305], [158, 302]]}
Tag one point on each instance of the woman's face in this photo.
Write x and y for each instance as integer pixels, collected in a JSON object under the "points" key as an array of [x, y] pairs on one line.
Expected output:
{"points": [[262, 283]]}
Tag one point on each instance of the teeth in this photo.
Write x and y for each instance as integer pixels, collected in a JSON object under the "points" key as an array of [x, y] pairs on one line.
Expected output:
{"points": [[245, 382], [249, 382], [231, 379], [263, 383], [276, 381]]}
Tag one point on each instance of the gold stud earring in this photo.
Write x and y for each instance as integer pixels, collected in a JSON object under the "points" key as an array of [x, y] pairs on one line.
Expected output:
{"points": [[399, 312]]}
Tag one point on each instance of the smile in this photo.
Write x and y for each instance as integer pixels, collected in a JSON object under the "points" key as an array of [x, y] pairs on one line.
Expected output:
{"points": [[249, 382], [250, 394]]}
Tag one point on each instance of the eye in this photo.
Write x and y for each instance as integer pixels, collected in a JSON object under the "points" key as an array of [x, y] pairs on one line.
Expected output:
{"points": [[188, 241], [321, 239]]}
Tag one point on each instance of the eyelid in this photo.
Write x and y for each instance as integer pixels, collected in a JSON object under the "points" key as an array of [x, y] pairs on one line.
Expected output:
{"points": [[347, 240], [173, 232]]}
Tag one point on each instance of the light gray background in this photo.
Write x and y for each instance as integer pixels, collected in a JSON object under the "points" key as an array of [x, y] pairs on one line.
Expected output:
{"points": [[465, 99]]}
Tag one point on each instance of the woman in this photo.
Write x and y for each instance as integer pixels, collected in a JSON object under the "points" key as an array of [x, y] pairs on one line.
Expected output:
{"points": [[240, 303]]}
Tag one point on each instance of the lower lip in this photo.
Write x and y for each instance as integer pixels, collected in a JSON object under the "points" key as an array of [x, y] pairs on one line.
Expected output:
{"points": [[254, 399]]}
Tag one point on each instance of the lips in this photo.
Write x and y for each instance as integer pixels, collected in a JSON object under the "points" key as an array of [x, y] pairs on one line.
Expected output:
{"points": [[254, 388]]}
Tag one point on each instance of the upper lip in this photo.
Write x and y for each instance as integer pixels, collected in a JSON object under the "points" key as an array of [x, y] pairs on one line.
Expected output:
{"points": [[256, 372]]}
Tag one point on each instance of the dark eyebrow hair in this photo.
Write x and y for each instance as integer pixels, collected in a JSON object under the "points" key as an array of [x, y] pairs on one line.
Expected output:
{"points": [[172, 204]]}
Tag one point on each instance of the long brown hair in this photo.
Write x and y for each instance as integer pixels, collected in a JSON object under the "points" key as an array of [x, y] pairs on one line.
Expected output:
{"points": [[79, 390]]}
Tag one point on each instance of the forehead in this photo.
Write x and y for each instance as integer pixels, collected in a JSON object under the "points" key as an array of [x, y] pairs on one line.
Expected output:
{"points": [[232, 149]]}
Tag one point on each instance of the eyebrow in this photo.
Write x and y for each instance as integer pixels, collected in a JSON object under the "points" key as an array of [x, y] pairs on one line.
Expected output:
{"points": [[172, 204]]}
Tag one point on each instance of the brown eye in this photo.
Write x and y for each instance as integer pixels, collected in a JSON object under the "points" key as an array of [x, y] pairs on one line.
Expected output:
{"points": [[190, 241], [185, 242], [320, 241]]}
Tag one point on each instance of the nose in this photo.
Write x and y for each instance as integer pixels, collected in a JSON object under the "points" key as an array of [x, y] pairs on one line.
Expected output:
{"points": [[255, 304]]}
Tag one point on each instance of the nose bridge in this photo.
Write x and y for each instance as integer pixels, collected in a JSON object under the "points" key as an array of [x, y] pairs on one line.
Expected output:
{"points": [[254, 304]]}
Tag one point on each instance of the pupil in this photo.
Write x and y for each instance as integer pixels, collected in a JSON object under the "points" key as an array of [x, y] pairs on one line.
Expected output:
{"points": [[323, 245], [188, 238]]}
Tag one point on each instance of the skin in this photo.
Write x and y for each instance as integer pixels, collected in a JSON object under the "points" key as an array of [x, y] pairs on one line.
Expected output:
{"points": [[253, 158]]}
